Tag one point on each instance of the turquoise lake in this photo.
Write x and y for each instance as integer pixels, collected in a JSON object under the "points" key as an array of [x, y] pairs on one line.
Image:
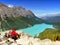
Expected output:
{"points": [[36, 29]]}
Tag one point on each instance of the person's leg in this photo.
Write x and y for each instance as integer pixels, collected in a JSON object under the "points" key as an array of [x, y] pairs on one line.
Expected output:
{"points": [[14, 37]]}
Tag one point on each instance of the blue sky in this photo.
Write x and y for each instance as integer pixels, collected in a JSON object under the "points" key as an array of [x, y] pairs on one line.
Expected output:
{"points": [[38, 7]]}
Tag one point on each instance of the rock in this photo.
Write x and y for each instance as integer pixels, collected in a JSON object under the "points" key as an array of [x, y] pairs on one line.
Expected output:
{"points": [[11, 40], [13, 44], [28, 40]]}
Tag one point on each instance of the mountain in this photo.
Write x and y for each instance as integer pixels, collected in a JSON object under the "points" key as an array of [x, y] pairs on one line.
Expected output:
{"points": [[16, 17], [52, 18], [15, 11]]}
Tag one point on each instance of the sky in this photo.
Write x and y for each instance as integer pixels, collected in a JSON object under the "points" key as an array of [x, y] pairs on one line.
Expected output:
{"points": [[38, 7]]}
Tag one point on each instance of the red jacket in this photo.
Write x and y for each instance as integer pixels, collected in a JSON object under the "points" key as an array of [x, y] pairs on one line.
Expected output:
{"points": [[14, 33]]}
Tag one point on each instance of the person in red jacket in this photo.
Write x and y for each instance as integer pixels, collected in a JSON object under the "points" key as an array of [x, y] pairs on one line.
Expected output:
{"points": [[14, 34]]}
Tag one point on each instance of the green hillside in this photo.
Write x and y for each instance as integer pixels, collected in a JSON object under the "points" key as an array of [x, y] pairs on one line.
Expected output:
{"points": [[18, 23], [50, 34]]}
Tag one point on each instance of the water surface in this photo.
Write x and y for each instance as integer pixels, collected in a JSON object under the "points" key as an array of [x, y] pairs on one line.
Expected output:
{"points": [[36, 29]]}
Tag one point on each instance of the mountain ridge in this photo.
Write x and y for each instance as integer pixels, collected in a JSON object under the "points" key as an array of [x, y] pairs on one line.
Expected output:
{"points": [[15, 11], [52, 18]]}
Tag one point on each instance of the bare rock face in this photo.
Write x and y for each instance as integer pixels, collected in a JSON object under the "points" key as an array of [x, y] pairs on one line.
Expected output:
{"points": [[14, 11], [20, 11]]}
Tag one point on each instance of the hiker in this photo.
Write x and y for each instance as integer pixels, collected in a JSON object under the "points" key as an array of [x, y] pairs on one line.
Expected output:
{"points": [[14, 34]]}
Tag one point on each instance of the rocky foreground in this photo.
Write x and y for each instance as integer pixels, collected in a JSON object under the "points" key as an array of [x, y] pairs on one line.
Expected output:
{"points": [[25, 39]]}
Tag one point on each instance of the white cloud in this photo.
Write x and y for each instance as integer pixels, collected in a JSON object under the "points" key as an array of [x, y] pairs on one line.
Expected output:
{"points": [[9, 5]]}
